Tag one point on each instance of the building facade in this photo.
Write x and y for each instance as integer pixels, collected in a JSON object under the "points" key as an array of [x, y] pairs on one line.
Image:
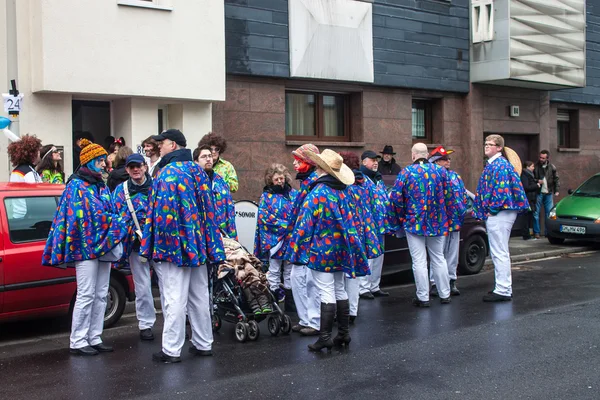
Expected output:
{"points": [[126, 68], [357, 75]]}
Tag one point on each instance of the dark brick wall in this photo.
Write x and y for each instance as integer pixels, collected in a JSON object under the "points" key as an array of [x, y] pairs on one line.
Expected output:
{"points": [[256, 37], [591, 93], [422, 44]]}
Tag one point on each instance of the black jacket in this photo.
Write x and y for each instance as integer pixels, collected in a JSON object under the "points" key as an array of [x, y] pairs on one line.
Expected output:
{"points": [[389, 168], [531, 187], [551, 176], [117, 176]]}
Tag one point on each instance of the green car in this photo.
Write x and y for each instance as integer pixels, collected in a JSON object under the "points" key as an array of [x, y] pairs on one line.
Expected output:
{"points": [[578, 215]]}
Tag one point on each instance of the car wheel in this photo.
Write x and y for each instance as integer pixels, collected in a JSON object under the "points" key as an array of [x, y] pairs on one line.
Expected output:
{"points": [[115, 302], [555, 240], [472, 255]]}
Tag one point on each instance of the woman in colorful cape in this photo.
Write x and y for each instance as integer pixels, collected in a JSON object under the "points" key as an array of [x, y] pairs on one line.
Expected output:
{"points": [[275, 213], [326, 240], [367, 227], [50, 168], [305, 298], [88, 231]]}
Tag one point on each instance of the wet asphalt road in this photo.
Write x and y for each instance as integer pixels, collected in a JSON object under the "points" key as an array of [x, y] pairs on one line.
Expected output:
{"points": [[543, 345]]}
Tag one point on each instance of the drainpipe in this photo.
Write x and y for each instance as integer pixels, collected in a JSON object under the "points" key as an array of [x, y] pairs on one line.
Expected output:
{"points": [[12, 61]]}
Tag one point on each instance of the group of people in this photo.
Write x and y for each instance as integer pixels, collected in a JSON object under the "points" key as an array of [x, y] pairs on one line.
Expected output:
{"points": [[323, 242], [34, 163]]}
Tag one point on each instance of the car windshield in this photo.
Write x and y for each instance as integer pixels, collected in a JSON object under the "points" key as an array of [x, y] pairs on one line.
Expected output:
{"points": [[590, 188]]}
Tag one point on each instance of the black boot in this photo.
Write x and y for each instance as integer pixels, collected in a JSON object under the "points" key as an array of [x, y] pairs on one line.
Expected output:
{"points": [[343, 317], [289, 304], [327, 314]]}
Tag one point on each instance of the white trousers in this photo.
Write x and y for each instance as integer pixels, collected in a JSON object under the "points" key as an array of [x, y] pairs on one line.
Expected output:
{"points": [[330, 286], [275, 267], [498, 229], [93, 279], [144, 302], [306, 299], [353, 291], [451, 248], [370, 283], [185, 288], [419, 247]]}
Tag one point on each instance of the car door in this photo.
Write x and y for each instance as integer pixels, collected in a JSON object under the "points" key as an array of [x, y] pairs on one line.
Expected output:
{"points": [[29, 286], [2, 230]]}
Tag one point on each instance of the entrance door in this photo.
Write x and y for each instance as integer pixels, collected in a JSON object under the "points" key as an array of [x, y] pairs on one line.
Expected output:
{"points": [[93, 117]]}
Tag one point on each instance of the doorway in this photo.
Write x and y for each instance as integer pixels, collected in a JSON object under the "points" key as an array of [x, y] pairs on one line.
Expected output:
{"points": [[93, 117]]}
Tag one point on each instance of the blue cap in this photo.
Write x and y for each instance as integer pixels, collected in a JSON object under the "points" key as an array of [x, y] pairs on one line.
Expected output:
{"points": [[135, 159]]}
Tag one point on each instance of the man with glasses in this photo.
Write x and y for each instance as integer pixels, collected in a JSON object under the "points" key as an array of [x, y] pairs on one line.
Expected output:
{"points": [[500, 197], [181, 237], [218, 145], [456, 216], [131, 199]]}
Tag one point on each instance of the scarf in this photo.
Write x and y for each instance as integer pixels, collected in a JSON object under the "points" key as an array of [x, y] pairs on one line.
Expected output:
{"points": [[175, 156], [89, 176], [330, 181], [301, 176], [144, 188], [373, 175], [278, 189], [359, 178]]}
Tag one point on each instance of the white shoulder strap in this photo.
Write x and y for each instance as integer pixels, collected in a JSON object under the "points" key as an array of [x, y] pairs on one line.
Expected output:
{"points": [[130, 206]]}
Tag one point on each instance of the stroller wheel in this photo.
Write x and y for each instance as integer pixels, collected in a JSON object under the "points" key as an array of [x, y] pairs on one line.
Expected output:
{"points": [[274, 325], [253, 330], [216, 322], [286, 324], [241, 332]]}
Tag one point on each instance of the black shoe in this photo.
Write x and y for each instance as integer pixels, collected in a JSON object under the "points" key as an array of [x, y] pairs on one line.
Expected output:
{"points": [[453, 289], [308, 331], [102, 348], [494, 297], [367, 295], [446, 300], [200, 353], [433, 292], [325, 341], [84, 351], [298, 328], [343, 316], [418, 303], [146, 334], [380, 293], [163, 358], [352, 319]]}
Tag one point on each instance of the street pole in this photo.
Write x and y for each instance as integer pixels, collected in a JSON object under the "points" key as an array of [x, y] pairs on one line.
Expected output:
{"points": [[12, 58]]}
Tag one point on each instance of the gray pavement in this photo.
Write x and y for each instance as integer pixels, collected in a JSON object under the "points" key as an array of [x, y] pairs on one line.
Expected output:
{"points": [[543, 345], [525, 250]]}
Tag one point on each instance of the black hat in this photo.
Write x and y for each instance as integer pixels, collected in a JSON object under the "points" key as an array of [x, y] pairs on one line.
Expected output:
{"points": [[369, 154], [388, 150], [174, 135], [134, 158]]}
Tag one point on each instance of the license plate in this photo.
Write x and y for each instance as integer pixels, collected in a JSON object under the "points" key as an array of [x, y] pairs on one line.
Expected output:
{"points": [[573, 229]]}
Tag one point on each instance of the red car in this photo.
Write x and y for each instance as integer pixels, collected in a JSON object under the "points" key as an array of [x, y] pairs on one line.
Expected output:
{"points": [[28, 289]]}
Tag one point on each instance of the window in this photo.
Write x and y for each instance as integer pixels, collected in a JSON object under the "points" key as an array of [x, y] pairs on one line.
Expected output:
{"points": [[564, 128], [320, 116], [482, 20], [30, 218], [421, 120]]}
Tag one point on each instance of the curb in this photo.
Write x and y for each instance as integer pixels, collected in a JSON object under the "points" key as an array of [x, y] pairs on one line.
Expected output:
{"points": [[542, 254]]}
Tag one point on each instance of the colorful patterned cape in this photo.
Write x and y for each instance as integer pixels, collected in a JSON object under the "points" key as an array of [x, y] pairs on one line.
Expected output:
{"points": [[300, 197], [366, 225], [180, 226], [227, 172], [379, 202], [499, 189], [456, 215], [275, 215], [421, 200], [140, 205], [325, 237], [224, 207], [86, 225]]}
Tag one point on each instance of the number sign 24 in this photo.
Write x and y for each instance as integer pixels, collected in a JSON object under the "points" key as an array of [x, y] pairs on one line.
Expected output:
{"points": [[12, 103]]}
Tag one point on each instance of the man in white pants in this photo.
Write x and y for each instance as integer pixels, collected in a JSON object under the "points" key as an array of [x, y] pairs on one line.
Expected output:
{"points": [[500, 198], [131, 199], [441, 157], [181, 201], [420, 204]]}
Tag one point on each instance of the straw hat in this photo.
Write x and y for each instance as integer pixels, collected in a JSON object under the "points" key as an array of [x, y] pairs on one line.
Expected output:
{"points": [[332, 163], [514, 159]]}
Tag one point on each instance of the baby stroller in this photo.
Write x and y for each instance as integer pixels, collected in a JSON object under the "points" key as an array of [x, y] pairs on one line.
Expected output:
{"points": [[229, 296]]}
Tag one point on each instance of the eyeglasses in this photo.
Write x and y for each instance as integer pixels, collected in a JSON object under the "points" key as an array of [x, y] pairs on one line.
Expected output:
{"points": [[215, 149], [134, 166], [206, 157], [491, 145]]}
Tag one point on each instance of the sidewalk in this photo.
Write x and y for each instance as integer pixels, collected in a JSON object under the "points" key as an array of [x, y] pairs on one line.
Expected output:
{"points": [[525, 250]]}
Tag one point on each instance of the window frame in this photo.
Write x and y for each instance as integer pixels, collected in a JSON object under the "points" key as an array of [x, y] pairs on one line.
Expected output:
{"points": [[319, 119], [571, 140], [428, 108]]}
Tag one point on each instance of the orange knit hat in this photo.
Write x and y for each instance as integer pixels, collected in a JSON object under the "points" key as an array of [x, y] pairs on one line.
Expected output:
{"points": [[89, 151]]}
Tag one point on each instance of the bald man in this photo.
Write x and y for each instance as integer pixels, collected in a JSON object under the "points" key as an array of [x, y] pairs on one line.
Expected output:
{"points": [[420, 204]]}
